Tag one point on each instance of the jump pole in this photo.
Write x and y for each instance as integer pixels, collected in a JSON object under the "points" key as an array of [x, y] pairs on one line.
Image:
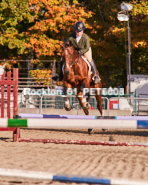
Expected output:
{"points": [[64, 123], [74, 123], [66, 178], [27, 115], [83, 142]]}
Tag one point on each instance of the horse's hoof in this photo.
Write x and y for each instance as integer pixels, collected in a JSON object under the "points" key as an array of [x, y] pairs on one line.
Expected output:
{"points": [[88, 105], [67, 109], [86, 111], [90, 131]]}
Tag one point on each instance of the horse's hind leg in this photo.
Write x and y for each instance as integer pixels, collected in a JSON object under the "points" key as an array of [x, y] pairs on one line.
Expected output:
{"points": [[99, 106], [99, 103]]}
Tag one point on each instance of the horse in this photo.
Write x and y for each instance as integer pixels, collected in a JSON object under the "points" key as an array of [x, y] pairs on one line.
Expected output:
{"points": [[76, 75]]}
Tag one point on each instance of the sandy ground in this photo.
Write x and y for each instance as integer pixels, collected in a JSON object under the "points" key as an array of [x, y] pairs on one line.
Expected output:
{"points": [[129, 162]]}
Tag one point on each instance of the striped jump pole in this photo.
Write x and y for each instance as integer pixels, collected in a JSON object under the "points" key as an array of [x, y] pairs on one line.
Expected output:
{"points": [[27, 115], [10, 83], [74, 123], [67, 178]]}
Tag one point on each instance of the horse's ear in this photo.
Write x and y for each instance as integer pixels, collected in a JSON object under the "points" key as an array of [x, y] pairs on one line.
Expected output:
{"points": [[62, 45]]}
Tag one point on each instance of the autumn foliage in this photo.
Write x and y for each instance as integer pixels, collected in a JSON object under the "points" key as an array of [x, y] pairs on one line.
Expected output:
{"points": [[34, 28], [42, 77]]}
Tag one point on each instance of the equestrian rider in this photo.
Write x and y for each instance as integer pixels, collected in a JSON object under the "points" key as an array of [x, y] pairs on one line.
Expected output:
{"points": [[80, 41]]}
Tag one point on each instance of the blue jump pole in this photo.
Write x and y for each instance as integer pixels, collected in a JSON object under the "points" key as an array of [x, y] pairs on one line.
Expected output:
{"points": [[27, 115]]}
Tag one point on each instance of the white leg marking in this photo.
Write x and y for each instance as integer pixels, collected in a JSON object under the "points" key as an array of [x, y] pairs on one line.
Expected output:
{"points": [[67, 104], [84, 101]]}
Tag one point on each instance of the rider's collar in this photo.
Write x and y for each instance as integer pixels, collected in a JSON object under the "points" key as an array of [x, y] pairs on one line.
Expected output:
{"points": [[78, 38]]}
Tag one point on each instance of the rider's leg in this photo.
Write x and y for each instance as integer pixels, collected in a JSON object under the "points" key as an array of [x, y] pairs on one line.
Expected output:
{"points": [[88, 55], [60, 75]]}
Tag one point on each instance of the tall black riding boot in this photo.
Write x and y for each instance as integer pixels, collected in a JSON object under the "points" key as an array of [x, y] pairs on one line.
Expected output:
{"points": [[60, 75], [94, 70]]}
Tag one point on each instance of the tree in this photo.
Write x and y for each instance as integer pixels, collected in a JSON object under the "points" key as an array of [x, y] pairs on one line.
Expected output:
{"points": [[139, 37], [37, 25], [32, 29], [15, 18], [108, 38]]}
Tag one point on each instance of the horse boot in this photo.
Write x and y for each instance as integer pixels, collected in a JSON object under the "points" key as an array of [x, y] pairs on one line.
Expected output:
{"points": [[96, 77], [59, 77]]}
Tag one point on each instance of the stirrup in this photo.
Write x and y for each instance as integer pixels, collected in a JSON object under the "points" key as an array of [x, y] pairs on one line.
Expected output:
{"points": [[96, 79]]}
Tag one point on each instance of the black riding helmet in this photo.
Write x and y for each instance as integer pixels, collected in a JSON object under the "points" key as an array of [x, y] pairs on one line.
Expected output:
{"points": [[79, 26]]}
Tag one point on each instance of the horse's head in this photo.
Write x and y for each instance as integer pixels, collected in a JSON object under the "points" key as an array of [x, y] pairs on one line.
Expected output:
{"points": [[68, 56]]}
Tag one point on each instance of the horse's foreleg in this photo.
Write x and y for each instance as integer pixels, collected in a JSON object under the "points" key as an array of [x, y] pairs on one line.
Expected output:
{"points": [[67, 102], [85, 89]]}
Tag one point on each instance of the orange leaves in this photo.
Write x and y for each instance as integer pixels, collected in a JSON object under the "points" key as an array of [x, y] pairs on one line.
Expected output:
{"points": [[41, 74], [56, 9], [139, 44], [42, 45], [53, 25], [32, 41]]}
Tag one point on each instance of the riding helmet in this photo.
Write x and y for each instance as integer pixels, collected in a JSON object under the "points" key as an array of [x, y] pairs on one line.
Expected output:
{"points": [[79, 26]]}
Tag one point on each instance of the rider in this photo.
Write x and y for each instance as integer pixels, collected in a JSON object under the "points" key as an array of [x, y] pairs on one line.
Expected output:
{"points": [[80, 41]]}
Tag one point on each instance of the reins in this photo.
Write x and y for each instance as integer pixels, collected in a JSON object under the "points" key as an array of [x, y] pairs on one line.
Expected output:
{"points": [[77, 60]]}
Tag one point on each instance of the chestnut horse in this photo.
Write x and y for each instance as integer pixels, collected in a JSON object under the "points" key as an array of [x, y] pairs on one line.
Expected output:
{"points": [[76, 75]]}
